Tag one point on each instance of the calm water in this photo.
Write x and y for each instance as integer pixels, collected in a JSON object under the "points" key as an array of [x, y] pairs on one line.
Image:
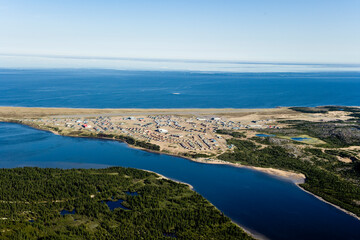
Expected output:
{"points": [[136, 89], [300, 138], [267, 205], [115, 204], [66, 212], [132, 193], [264, 135]]}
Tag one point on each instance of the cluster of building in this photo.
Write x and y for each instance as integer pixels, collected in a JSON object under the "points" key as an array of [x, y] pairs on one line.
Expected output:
{"points": [[197, 134]]}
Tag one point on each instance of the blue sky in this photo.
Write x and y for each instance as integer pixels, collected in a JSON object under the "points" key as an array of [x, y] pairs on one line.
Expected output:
{"points": [[254, 30]]}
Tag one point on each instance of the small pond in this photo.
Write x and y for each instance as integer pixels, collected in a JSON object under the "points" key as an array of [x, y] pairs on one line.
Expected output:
{"points": [[264, 135], [115, 204], [132, 193], [66, 212], [300, 138]]}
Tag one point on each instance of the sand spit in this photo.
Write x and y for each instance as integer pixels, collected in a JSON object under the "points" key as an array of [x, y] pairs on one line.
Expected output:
{"points": [[296, 178], [174, 180]]}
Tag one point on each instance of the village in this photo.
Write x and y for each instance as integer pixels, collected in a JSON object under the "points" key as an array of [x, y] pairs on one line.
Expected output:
{"points": [[172, 133]]}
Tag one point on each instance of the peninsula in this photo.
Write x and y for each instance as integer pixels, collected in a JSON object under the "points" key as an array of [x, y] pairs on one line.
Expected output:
{"points": [[111, 203], [317, 147]]}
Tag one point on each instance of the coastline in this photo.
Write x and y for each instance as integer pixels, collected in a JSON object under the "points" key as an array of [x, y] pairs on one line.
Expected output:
{"points": [[167, 178], [251, 233], [29, 112], [296, 178], [336, 206]]}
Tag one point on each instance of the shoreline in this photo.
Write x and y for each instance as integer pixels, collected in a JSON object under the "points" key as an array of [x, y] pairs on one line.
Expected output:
{"points": [[296, 178], [167, 178], [2, 106], [134, 109], [287, 175], [251, 233], [336, 206]]}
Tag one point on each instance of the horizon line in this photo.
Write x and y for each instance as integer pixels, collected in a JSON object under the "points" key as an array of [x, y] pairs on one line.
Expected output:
{"points": [[210, 61]]}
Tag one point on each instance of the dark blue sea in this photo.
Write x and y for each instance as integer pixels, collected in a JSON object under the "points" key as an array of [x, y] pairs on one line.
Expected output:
{"points": [[146, 89]]}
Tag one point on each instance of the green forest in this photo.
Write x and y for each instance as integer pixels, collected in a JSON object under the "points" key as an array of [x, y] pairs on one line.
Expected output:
{"points": [[31, 200]]}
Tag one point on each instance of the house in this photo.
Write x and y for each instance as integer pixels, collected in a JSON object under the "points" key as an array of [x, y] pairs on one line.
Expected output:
{"points": [[216, 118], [160, 130]]}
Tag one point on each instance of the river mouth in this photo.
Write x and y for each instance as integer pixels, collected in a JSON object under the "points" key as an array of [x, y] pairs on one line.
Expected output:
{"points": [[272, 207]]}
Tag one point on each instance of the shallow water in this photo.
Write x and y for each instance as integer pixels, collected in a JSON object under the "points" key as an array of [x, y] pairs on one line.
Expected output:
{"points": [[264, 135], [270, 206], [300, 138]]}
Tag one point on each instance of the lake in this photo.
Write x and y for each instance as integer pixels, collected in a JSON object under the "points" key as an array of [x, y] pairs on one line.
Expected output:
{"points": [[267, 206], [145, 89], [115, 204]]}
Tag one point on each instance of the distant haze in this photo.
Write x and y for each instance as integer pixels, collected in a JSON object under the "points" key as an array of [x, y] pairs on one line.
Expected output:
{"points": [[55, 62], [322, 31]]}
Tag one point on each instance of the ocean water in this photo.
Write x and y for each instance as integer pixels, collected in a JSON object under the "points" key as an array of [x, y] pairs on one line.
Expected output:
{"points": [[268, 206], [146, 89]]}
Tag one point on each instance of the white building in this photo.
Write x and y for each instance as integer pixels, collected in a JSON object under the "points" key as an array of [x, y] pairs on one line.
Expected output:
{"points": [[160, 130]]}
